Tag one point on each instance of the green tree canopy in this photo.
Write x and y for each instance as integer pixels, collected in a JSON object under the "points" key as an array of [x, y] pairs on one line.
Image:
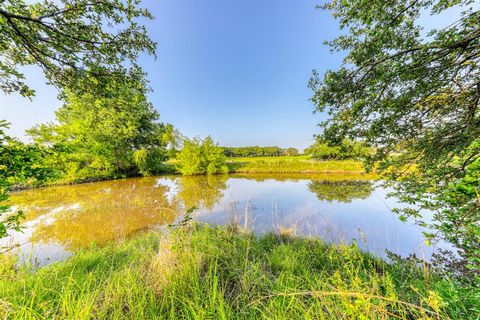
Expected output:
{"points": [[414, 96], [291, 152], [71, 39], [346, 149], [81, 46], [98, 137], [201, 157], [19, 164]]}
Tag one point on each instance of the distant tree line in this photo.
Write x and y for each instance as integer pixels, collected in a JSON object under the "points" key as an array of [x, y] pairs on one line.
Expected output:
{"points": [[255, 151]]}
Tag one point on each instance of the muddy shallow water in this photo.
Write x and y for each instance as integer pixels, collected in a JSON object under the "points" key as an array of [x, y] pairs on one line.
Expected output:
{"points": [[336, 208]]}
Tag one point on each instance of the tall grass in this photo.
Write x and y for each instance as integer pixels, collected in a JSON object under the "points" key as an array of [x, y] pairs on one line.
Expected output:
{"points": [[199, 272]]}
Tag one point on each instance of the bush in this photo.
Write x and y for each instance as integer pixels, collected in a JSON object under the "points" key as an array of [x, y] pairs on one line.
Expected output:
{"points": [[149, 161], [347, 149], [201, 157]]}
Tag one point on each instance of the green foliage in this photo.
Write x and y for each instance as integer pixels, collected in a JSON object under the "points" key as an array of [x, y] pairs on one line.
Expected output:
{"points": [[78, 44], [172, 138], [460, 216], [291, 152], [202, 272], [415, 99], [256, 151], [98, 137], [456, 206], [19, 164], [140, 160], [201, 157], [346, 149]]}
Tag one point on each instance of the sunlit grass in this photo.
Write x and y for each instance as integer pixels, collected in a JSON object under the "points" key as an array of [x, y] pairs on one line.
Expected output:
{"points": [[288, 164], [203, 272], [297, 164]]}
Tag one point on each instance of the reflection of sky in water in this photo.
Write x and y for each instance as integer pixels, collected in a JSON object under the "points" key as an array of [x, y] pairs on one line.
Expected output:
{"points": [[283, 204], [61, 219]]}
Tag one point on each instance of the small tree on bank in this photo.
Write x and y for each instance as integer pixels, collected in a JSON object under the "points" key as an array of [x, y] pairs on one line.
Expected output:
{"points": [[201, 157]]}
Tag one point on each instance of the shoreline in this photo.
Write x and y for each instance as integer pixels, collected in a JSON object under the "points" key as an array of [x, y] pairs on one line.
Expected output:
{"points": [[252, 165]]}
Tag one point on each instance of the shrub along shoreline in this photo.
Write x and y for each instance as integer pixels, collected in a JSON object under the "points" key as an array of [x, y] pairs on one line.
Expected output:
{"points": [[199, 272]]}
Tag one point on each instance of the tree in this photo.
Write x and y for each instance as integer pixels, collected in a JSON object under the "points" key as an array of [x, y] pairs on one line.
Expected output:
{"points": [[346, 149], [77, 43], [19, 163], [97, 137], [415, 98], [291, 152], [201, 157], [172, 138], [255, 151]]}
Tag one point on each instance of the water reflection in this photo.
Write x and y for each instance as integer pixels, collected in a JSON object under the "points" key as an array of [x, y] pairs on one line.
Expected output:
{"points": [[341, 191], [78, 215], [337, 208], [201, 191]]}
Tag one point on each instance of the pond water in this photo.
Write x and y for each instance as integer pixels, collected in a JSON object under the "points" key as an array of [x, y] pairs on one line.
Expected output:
{"points": [[336, 208]]}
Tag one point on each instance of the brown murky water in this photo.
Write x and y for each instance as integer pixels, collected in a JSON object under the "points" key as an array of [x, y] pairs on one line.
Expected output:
{"points": [[337, 208]]}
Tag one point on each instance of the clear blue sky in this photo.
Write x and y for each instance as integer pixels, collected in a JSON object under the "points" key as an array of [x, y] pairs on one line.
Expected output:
{"points": [[237, 70]]}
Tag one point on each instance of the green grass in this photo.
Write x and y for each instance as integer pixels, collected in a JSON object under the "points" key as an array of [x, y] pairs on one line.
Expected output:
{"points": [[286, 164], [200, 272], [297, 164]]}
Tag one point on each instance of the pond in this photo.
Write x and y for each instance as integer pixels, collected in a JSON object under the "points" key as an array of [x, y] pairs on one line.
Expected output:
{"points": [[336, 208]]}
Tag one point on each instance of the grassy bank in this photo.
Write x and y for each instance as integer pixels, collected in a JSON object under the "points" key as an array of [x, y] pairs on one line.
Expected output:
{"points": [[219, 273], [297, 164], [302, 165], [286, 164]]}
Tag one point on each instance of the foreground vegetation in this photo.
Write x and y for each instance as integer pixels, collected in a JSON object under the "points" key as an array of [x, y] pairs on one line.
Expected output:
{"points": [[204, 272]]}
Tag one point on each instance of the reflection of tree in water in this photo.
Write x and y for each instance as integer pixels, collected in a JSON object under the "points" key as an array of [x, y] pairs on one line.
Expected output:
{"points": [[75, 216], [341, 191], [202, 192]]}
